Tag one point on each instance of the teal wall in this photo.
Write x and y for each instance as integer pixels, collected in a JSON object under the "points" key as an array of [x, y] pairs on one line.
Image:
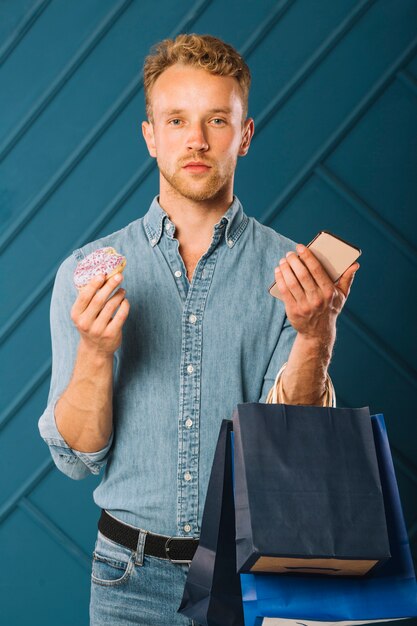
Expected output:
{"points": [[334, 99]]}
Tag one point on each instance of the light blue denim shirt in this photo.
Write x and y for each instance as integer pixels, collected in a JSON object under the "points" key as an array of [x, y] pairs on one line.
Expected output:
{"points": [[190, 353]]}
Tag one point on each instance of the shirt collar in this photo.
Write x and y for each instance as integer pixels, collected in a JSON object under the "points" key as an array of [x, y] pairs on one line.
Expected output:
{"points": [[234, 219]]}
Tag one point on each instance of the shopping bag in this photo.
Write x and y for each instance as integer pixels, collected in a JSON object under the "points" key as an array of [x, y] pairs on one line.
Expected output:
{"points": [[308, 494], [212, 593], [390, 592]]}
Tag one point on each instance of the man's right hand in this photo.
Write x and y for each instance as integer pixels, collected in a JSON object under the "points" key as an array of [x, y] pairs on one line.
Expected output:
{"points": [[93, 314]]}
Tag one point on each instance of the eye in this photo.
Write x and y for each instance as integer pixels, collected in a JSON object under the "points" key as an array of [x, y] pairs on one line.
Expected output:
{"points": [[218, 121], [175, 122]]}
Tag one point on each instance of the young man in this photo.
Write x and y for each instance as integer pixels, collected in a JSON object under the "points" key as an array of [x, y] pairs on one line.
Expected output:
{"points": [[142, 378]]}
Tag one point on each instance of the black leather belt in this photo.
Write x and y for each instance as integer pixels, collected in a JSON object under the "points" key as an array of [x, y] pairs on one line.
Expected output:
{"points": [[176, 549]]}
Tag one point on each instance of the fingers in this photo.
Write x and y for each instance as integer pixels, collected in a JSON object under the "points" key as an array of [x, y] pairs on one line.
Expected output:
{"points": [[119, 317], [297, 275], [316, 270], [101, 322], [99, 316], [305, 279], [92, 298], [345, 281], [291, 281], [286, 294], [297, 278]]}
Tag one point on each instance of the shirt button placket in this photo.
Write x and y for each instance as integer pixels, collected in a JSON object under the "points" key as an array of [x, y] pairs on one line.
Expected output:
{"points": [[189, 431]]}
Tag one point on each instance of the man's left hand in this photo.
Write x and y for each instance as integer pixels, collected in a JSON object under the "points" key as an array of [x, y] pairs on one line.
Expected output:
{"points": [[312, 300]]}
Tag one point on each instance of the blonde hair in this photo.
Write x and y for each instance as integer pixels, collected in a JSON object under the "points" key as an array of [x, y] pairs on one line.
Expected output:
{"points": [[202, 51]]}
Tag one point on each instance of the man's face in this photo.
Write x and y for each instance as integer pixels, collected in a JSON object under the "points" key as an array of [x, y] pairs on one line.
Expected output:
{"points": [[197, 132]]}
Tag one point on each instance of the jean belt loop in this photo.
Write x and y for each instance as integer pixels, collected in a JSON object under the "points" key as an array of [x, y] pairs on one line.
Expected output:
{"points": [[140, 547]]}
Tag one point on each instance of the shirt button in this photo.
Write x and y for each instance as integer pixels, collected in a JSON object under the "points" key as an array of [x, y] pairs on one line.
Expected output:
{"points": [[187, 476], [192, 319], [203, 274], [189, 423], [167, 226], [190, 369], [178, 273], [153, 241], [230, 242], [187, 528]]}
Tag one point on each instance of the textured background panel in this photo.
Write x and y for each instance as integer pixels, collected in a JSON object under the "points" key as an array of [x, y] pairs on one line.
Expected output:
{"points": [[334, 98], [378, 159], [44, 572]]}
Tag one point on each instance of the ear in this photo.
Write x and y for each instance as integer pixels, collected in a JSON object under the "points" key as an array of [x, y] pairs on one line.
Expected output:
{"points": [[148, 135], [247, 134]]}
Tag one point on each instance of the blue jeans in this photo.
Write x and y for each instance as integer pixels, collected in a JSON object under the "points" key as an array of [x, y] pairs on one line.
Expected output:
{"points": [[128, 587]]}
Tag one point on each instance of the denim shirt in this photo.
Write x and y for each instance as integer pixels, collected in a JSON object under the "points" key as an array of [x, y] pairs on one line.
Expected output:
{"points": [[190, 353]]}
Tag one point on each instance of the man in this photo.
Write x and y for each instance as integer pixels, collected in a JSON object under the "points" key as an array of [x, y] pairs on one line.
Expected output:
{"points": [[141, 385]]}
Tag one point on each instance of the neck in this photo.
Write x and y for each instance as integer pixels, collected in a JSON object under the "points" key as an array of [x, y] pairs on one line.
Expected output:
{"points": [[194, 220]]}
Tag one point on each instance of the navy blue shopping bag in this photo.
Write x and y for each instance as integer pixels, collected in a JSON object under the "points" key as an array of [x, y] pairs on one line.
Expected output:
{"points": [[308, 494], [212, 593], [390, 592]]}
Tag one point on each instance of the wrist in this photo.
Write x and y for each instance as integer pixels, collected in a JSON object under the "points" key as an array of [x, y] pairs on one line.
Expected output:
{"points": [[317, 344], [90, 354]]}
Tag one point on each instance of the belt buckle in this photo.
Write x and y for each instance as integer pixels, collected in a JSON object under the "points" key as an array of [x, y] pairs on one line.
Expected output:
{"points": [[175, 561]]}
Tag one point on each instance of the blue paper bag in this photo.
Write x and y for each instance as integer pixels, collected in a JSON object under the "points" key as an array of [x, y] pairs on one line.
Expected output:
{"points": [[212, 594], [308, 494], [389, 593]]}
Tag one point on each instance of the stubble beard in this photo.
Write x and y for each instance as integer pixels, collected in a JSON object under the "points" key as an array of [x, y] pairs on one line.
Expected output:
{"points": [[203, 187]]}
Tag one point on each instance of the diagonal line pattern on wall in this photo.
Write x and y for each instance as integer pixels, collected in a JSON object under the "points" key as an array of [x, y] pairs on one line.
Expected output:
{"points": [[105, 215], [26, 488], [408, 80], [263, 29], [385, 351], [69, 165], [21, 30], [314, 60], [338, 135], [25, 394], [87, 144], [69, 70], [55, 533], [367, 212]]}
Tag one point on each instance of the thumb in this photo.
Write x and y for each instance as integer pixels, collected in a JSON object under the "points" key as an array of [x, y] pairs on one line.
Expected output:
{"points": [[345, 281]]}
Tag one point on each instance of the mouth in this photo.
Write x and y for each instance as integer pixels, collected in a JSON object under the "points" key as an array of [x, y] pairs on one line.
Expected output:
{"points": [[196, 167]]}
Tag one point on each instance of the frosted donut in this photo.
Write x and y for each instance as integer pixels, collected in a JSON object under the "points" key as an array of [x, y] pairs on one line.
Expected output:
{"points": [[101, 261]]}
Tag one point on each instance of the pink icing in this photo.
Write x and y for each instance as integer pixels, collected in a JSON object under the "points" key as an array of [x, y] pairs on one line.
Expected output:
{"points": [[101, 261]]}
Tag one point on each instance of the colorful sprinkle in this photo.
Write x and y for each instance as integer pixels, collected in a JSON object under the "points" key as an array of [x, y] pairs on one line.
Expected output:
{"points": [[102, 261]]}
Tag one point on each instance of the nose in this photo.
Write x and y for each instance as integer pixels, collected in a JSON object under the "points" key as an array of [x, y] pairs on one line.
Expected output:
{"points": [[196, 138]]}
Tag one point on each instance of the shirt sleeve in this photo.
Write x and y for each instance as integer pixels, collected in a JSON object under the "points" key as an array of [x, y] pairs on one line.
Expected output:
{"points": [[65, 339], [279, 357]]}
